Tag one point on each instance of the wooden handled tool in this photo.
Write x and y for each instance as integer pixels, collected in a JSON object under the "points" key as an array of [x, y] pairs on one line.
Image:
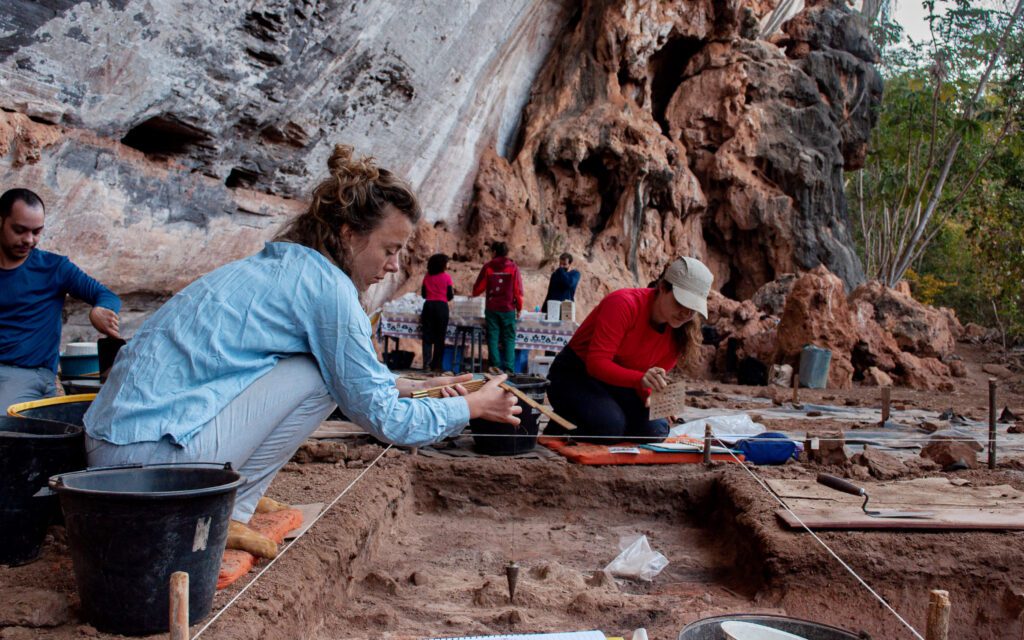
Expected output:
{"points": [[539, 407], [474, 385], [435, 392]]}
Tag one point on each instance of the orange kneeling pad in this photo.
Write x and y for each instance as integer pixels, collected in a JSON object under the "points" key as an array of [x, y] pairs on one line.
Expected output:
{"points": [[582, 453], [274, 525]]}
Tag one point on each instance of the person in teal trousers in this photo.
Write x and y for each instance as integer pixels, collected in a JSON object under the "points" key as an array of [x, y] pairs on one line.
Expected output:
{"points": [[502, 282]]}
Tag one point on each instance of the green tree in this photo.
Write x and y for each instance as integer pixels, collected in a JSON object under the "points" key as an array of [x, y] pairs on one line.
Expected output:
{"points": [[939, 197]]}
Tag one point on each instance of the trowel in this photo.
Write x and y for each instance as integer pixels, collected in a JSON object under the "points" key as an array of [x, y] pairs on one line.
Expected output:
{"points": [[839, 484]]}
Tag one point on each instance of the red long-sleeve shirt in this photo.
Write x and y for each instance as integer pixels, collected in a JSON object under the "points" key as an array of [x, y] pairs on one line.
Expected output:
{"points": [[618, 343], [501, 279]]}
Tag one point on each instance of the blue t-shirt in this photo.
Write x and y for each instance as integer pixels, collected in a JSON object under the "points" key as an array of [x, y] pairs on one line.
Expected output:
{"points": [[31, 305], [224, 331], [562, 285]]}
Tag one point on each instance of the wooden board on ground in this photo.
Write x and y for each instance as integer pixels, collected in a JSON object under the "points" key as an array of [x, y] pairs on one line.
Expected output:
{"points": [[943, 519], [337, 429], [920, 494]]}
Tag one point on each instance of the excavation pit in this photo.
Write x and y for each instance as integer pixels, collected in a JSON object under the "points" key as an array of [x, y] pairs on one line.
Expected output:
{"points": [[418, 548]]}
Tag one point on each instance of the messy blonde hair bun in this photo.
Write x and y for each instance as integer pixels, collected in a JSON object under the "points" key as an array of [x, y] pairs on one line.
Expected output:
{"points": [[356, 194]]}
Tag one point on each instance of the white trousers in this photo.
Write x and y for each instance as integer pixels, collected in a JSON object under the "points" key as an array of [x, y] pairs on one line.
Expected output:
{"points": [[257, 432]]}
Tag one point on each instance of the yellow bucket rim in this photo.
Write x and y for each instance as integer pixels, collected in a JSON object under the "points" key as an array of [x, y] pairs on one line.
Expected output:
{"points": [[15, 409]]}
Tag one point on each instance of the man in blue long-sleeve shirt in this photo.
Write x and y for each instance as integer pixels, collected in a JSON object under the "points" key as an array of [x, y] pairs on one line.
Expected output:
{"points": [[33, 286], [562, 285]]}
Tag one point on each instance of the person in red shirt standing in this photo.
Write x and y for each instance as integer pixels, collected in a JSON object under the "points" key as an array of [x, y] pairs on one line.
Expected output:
{"points": [[601, 380], [437, 290], [501, 280]]}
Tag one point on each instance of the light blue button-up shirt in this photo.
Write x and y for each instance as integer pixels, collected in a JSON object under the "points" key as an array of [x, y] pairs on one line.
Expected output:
{"points": [[224, 331]]}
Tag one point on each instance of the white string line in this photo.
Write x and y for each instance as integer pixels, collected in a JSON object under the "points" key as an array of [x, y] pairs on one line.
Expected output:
{"points": [[853, 440], [292, 544], [827, 548]]}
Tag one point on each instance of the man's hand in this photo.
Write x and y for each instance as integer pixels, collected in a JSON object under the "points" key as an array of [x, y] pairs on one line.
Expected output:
{"points": [[654, 379], [105, 321]]}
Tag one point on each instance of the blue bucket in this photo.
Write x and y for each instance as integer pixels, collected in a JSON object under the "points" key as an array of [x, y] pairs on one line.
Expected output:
{"points": [[80, 365]]}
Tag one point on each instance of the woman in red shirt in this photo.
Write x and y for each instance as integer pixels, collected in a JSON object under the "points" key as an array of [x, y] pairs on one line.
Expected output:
{"points": [[437, 290], [623, 350]]}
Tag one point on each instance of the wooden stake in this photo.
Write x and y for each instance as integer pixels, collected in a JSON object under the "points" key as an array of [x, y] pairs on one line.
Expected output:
{"points": [[886, 398], [179, 606], [938, 615], [796, 388], [991, 423], [707, 443]]}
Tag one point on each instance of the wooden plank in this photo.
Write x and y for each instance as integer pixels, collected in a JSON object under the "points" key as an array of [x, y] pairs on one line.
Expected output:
{"points": [[914, 494], [943, 520]]}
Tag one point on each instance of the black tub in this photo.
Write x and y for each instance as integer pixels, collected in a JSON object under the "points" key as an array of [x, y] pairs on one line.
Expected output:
{"points": [[30, 452], [502, 439], [130, 528]]}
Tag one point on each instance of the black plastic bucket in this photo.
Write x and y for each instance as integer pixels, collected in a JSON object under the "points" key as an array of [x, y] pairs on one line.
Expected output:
{"points": [[503, 439], [30, 452], [130, 528], [66, 409], [711, 628]]}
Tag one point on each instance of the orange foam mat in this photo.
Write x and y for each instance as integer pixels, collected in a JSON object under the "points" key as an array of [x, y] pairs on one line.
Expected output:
{"points": [[582, 453], [274, 525]]}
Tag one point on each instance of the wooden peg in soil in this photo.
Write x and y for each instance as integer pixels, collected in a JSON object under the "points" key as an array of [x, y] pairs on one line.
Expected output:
{"points": [[886, 399], [707, 443], [991, 423], [179, 606], [938, 615], [796, 388]]}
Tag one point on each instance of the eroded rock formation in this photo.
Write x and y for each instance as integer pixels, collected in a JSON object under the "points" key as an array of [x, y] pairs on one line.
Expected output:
{"points": [[656, 129], [170, 138]]}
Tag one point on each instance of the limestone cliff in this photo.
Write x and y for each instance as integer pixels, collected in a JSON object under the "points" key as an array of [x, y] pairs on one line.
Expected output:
{"points": [[168, 138]]}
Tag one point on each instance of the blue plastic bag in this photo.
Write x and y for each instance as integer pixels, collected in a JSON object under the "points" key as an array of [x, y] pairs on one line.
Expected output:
{"points": [[767, 448]]}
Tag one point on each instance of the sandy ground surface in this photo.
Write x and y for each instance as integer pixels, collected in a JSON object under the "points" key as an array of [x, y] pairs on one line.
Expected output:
{"points": [[417, 548]]}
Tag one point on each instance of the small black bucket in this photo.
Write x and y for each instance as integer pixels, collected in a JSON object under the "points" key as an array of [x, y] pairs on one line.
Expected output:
{"points": [[130, 528], [66, 409], [503, 439], [711, 628], [30, 452]]}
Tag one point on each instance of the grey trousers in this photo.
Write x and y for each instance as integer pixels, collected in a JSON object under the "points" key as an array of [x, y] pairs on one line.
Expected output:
{"points": [[257, 432], [18, 384]]}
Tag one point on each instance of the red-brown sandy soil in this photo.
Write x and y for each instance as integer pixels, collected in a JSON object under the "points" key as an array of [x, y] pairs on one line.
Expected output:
{"points": [[418, 547]]}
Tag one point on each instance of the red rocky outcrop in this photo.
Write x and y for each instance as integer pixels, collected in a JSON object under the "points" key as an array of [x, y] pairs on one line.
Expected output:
{"points": [[917, 328], [656, 130], [817, 313]]}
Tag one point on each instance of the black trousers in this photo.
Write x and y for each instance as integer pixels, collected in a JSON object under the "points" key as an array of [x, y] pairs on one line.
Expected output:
{"points": [[434, 320], [602, 413]]}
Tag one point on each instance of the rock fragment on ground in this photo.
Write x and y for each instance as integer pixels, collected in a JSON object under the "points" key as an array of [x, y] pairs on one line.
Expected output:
{"points": [[33, 608], [879, 464]]}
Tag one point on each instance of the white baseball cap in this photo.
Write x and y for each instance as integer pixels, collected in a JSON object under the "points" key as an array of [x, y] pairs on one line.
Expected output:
{"points": [[691, 283]]}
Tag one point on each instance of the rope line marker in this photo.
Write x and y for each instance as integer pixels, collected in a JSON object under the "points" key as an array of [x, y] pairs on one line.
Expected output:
{"points": [[292, 544], [829, 549]]}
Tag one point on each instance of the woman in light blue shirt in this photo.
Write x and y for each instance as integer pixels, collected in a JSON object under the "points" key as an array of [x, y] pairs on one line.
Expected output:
{"points": [[244, 364]]}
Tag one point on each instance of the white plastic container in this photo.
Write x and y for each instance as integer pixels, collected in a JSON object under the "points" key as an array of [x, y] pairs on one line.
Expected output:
{"points": [[81, 349], [554, 311], [540, 365]]}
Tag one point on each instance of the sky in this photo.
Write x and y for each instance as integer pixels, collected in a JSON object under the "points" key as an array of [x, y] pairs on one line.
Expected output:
{"points": [[909, 14]]}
